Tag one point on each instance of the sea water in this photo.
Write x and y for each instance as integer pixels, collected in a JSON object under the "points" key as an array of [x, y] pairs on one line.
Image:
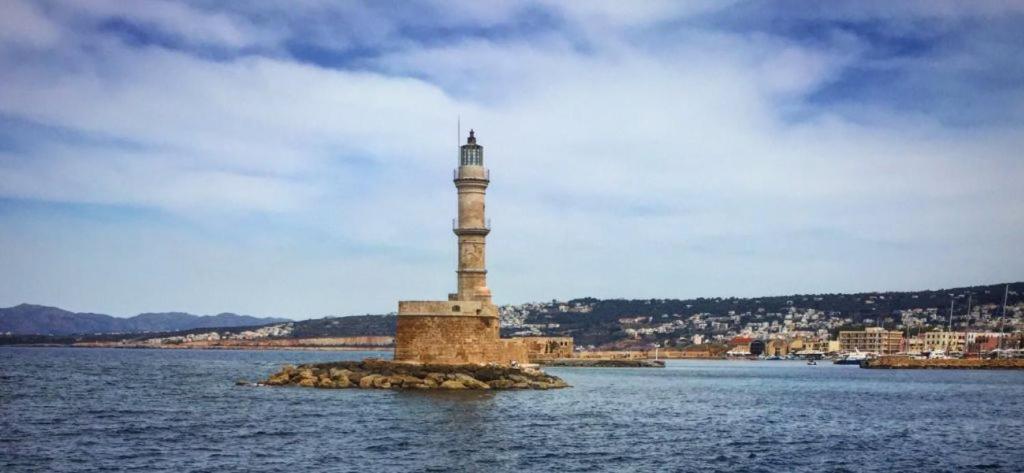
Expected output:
{"points": [[78, 409]]}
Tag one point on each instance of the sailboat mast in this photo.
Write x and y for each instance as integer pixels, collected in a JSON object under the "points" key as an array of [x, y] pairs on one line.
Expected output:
{"points": [[906, 327], [967, 321], [1002, 320], [949, 325], [967, 316]]}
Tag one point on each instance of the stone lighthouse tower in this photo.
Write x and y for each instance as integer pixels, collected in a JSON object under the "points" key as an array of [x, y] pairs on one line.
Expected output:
{"points": [[464, 328], [471, 227]]}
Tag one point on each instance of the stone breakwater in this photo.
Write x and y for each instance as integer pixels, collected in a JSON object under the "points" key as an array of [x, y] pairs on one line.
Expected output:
{"points": [[379, 374], [900, 362], [604, 363]]}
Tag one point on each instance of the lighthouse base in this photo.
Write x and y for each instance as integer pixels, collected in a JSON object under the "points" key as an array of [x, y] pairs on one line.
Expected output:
{"points": [[453, 332]]}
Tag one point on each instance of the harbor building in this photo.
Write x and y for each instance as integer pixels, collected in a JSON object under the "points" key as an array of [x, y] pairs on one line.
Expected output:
{"points": [[913, 344], [776, 347], [547, 348], [947, 341], [465, 328], [824, 346], [872, 339], [981, 342]]}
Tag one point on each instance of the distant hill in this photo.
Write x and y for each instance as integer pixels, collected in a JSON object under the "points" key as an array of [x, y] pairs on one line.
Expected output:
{"points": [[610, 323], [28, 319], [350, 326]]}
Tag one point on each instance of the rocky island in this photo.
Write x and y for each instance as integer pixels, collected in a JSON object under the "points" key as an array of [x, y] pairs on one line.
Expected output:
{"points": [[381, 374]]}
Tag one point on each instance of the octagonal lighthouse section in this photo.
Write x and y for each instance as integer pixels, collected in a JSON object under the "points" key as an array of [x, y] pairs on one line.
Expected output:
{"points": [[464, 328]]}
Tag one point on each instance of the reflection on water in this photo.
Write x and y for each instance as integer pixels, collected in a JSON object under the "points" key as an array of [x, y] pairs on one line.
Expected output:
{"points": [[72, 409]]}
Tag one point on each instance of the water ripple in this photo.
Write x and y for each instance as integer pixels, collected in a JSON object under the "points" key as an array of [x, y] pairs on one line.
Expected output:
{"points": [[99, 410]]}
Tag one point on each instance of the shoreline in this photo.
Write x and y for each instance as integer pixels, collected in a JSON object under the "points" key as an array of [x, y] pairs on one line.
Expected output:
{"points": [[902, 363], [601, 363], [219, 347]]}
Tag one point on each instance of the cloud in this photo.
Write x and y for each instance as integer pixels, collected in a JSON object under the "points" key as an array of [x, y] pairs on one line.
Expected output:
{"points": [[663, 151], [183, 23], [280, 120], [22, 24]]}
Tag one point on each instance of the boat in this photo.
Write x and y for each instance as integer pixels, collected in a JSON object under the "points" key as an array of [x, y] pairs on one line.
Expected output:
{"points": [[854, 358], [810, 354], [811, 362]]}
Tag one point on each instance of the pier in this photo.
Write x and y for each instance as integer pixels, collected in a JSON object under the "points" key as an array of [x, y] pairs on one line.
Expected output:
{"points": [[901, 362]]}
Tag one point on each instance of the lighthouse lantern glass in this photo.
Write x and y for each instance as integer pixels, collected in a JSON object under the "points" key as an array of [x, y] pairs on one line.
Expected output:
{"points": [[471, 155]]}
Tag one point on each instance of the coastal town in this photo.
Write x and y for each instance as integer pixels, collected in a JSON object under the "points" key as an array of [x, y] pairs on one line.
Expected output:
{"points": [[951, 323], [868, 327]]}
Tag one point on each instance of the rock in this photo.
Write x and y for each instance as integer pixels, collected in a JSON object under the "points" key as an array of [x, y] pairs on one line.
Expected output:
{"points": [[488, 374], [280, 379], [461, 377], [559, 383], [356, 376], [518, 378], [471, 382], [242, 382], [437, 378], [379, 374], [367, 381], [341, 380], [452, 384], [500, 384], [404, 380], [381, 382], [376, 365]]}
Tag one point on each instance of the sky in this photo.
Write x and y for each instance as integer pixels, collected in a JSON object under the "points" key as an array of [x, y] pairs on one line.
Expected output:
{"points": [[294, 158]]}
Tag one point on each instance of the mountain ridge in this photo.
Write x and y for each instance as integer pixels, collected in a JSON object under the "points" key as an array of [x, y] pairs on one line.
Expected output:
{"points": [[612, 322], [36, 319]]}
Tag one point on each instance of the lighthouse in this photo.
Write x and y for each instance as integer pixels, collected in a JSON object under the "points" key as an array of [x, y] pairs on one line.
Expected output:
{"points": [[464, 328], [471, 227]]}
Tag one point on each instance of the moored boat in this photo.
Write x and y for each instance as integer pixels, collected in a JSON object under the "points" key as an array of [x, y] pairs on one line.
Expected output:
{"points": [[853, 358]]}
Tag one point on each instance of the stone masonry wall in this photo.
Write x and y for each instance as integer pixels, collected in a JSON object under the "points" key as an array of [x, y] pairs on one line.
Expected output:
{"points": [[512, 349], [450, 307], [547, 348], [471, 206], [453, 340]]}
